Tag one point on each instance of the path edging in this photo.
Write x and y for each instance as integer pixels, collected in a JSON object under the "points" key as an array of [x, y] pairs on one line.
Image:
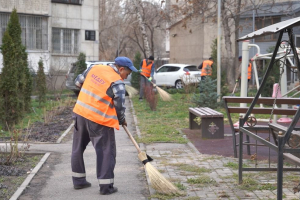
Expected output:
{"points": [[26, 182]]}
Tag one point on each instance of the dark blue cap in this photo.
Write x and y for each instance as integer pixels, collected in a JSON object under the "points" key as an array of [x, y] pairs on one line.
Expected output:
{"points": [[125, 62]]}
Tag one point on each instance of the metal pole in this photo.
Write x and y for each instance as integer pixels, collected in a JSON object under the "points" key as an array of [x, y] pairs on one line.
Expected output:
{"points": [[244, 70], [253, 29], [280, 165], [219, 52]]}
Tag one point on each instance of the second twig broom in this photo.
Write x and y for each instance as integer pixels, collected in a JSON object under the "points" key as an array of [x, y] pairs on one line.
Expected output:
{"points": [[163, 94], [158, 181]]}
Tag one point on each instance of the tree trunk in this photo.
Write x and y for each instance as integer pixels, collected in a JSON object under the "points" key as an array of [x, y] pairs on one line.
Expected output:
{"points": [[230, 55], [138, 5]]}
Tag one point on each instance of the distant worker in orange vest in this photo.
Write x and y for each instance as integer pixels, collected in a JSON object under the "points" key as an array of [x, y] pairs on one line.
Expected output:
{"points": [[249, 70], [98, 110], [206, 68], [147, 69]]}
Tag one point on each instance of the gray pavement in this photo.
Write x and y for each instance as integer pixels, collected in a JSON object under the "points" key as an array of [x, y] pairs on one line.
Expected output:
{"points": [[129, 172], [174, 161]]}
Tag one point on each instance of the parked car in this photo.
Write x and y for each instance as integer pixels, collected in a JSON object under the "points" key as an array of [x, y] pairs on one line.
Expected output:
{"points": [[70, 75], [176, 75]]}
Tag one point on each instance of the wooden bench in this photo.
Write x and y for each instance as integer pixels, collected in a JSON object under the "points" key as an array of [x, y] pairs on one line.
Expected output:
{"points": [[212, 122]]}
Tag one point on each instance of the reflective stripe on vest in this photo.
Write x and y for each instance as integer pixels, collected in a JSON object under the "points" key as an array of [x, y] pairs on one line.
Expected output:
{"points": [[206, 68], [146, 69], [93, 103], [249, 70]]}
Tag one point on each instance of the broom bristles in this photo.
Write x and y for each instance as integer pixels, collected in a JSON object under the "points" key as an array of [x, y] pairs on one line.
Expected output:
{"points": [[159, 182], [163, 94], [131, 90]]}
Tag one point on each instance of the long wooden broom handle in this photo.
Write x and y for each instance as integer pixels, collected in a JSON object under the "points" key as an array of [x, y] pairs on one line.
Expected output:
{"points": [[147, 78], [132, 139]]}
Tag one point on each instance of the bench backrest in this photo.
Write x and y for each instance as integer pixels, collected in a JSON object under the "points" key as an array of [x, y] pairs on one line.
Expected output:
{"points": [[261, 100]]}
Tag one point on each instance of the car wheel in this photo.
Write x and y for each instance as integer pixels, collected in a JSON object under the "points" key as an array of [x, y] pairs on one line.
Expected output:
{"points": [[178, 84]]}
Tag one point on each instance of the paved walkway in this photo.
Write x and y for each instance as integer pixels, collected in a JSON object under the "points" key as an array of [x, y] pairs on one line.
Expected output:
{"points": [[200, 176]]}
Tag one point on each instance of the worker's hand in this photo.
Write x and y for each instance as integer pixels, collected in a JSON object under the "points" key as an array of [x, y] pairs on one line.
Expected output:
{"points": [[237, 80], [140, 70], [149, 79], [124, 123]]}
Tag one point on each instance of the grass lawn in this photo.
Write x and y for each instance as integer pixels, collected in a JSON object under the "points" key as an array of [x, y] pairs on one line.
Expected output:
{"points": [[163, 124]]}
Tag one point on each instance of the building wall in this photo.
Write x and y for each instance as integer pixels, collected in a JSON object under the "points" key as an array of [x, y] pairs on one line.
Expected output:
{"points": [[186, 44], [81, 17], [65, 16], [33, 7], [193, 44]]}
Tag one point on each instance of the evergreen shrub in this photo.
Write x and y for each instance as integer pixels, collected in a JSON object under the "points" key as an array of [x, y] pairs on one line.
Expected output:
{"points": [[135, 77], [81, 65], [207, 96], [41, 83]]}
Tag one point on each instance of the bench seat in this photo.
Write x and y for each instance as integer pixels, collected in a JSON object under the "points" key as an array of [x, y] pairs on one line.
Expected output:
{"points": [[212, 122]]}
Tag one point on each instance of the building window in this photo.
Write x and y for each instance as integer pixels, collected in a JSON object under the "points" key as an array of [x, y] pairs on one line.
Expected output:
{"points": [[67, 1], [264, 22], [65, 41], [90, 35], [34, 30]]}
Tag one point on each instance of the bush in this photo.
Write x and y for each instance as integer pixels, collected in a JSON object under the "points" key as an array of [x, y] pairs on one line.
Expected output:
{"points": [[135, 77], [11, 82], [208, 94], [81, 65], [41, 83]]}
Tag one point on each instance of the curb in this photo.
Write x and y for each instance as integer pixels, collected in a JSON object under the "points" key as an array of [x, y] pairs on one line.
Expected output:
{"points": [[26, 182], [65, 133], [142, 146]]}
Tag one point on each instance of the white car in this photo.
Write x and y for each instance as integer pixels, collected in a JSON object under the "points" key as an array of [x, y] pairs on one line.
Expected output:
{"points": [[176, 75], [70, 75]]}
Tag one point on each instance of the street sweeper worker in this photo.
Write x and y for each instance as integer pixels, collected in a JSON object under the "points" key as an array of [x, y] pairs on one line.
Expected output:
{"points": [[206, 68], [98, 111], [249, 70], [147, 69]]}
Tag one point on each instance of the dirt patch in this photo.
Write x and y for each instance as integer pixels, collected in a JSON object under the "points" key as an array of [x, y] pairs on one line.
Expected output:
{"points": [[51, 131], [11, 177]]}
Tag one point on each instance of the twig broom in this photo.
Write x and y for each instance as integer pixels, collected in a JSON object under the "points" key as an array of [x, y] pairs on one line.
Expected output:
{"points": [[158, 181], [131, 90], [163, 94]]}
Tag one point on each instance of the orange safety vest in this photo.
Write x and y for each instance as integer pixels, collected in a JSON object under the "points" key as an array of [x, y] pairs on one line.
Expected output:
{"points": [[206, 68], [93, 103], [146, 69], [249, 70]]}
